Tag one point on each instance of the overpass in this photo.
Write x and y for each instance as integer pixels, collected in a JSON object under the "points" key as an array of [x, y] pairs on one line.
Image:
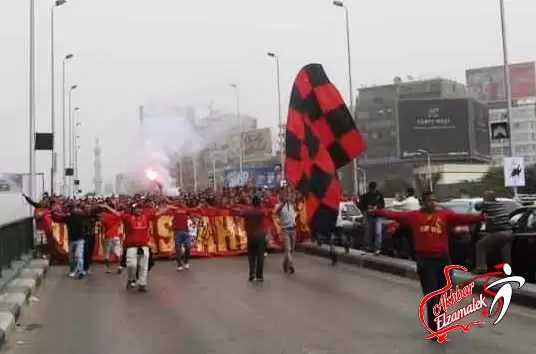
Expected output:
{"points": [[213, 309]]}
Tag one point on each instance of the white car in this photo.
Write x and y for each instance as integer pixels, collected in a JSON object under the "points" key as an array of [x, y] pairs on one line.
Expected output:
{"points": [[349, 215]]}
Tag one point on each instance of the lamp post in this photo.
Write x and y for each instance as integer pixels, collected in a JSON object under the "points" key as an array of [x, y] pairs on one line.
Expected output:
{"points": [[64, 118], [71, 89], [428, 168], [339, 3], [75, 140], [31, 103], [364, 177], [58, 3], [239, 120], [507, 81], [281, 131]]}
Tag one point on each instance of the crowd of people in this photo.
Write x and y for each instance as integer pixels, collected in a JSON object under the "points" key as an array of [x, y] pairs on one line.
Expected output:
{"points": [[132, 215], [429, 226]]}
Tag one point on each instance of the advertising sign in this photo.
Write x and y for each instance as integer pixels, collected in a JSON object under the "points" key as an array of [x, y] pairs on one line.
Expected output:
{"points": [[487, 84], [438, 126], [10, 182], [257, 143], [261, 176], [514, 172]]}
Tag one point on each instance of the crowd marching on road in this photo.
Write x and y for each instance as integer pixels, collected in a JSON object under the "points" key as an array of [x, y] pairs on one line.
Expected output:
{"points": [[427, 224], [134, 214]]}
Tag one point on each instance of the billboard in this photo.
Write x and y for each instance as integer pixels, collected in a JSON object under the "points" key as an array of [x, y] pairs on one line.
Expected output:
{"points": [[260, 176], [439, 126], [11, 182], [257, 143], [479, 116], [487, 84]]}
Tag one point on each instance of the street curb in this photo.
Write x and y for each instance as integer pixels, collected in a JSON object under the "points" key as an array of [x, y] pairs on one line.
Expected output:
{"points": [[525, 296], [17, 293]]}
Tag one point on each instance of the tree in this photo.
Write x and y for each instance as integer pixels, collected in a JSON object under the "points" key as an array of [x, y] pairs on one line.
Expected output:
{"points": [[422, 183], [494, 180]]}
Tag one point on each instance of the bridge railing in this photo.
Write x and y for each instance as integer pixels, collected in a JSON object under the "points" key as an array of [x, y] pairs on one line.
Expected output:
{"points": [[16, 239]]}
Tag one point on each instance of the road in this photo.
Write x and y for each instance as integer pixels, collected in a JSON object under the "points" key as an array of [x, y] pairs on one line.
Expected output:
{"points": [[212, 309]]}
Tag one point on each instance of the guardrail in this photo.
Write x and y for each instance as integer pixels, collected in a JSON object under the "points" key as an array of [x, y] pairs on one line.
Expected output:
{"points": [[16, 239]]}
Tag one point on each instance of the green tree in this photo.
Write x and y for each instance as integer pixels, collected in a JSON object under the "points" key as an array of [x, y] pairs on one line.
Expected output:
{"points": [[494, 180]]}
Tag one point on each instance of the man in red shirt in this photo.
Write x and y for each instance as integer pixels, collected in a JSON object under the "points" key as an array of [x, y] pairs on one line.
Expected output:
{"points": [[256, 234], [430, 230], [111, 223], [137, 237], [183, 237]]}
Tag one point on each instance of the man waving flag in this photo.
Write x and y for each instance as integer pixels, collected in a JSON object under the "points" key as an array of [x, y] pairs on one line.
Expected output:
{"points": [[321, 137]]}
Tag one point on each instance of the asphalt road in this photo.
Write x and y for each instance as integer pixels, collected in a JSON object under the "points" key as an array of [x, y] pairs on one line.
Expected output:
{"points": [[212, 309]]}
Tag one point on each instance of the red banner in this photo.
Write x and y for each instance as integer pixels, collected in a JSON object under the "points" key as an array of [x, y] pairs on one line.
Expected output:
{"points": [[216, 233]]}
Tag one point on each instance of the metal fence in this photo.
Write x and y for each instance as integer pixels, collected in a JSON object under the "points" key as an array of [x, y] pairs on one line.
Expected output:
{"points": [[16, 239]]}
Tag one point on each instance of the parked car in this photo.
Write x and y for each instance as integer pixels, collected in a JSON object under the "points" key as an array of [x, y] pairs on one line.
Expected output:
{"points": [[349, 230], [523, 222]]}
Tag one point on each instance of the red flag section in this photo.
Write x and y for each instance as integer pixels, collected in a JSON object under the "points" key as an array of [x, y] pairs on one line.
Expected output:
{"points": [[321, 137]]}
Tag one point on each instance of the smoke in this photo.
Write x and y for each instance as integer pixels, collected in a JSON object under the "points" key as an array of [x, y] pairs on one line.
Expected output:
{"points": [[163, 138]]}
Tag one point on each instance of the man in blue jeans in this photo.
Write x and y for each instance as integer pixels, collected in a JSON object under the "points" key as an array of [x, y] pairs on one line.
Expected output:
{"points": [[368, 202], [183, 237], [75, 219]]}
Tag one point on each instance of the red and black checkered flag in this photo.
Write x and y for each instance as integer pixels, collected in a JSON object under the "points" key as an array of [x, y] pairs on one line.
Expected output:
{"points": [[321, 137]]}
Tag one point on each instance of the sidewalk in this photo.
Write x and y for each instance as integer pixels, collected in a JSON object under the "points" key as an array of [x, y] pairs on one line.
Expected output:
{"points": [[525, 296], [17, 287]]}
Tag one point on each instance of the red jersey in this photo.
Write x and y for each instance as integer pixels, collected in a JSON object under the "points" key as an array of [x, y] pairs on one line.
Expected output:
{"points": [[430, 231], [180, 220], [254, 221], [137, 229], [43, 219], [111, 224]]}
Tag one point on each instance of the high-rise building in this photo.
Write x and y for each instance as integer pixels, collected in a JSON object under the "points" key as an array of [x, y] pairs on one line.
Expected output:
{"points": [[488, 84], [377, 118], [97, 179]]}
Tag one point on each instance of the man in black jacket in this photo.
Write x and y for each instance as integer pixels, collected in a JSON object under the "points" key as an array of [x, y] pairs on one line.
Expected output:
{"points": [[368, 203], [92, 215], [75, 219]]}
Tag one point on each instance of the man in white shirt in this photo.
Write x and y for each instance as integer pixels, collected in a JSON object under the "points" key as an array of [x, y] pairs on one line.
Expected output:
{"points": [[286, 213], [402, 237], [410, 203]]}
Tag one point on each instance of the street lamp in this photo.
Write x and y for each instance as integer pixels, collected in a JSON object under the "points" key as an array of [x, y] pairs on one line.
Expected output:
{"points": [[281, 131], [363, 173], [71, 89], [340, 4], [58, 3], [428, 168], [31, 103], [75, 138], [64, 88], [507, 81], [239, 120]]}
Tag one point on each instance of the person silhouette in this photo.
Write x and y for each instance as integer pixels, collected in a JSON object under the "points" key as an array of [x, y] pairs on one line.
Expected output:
{"points": [[505, 292]]}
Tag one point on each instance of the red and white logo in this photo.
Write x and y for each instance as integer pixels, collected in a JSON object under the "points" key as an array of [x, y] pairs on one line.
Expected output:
{"points": [[447, 318]]}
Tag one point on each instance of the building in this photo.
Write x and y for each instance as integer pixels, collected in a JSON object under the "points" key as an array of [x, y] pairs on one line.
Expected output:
{"points": [[487, 84], [522, 131], [108, 189], [377, 117], [97, 179]]}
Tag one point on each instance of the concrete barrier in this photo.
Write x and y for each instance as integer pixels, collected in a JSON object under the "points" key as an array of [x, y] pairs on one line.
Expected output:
{"points": [[17, 292]]}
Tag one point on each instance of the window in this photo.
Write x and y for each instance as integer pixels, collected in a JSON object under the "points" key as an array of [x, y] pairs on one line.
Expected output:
{"points": [[531, 221]]}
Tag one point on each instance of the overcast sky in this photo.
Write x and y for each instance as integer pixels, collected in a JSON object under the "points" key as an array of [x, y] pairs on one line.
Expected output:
{"points": [[178, 52]]}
